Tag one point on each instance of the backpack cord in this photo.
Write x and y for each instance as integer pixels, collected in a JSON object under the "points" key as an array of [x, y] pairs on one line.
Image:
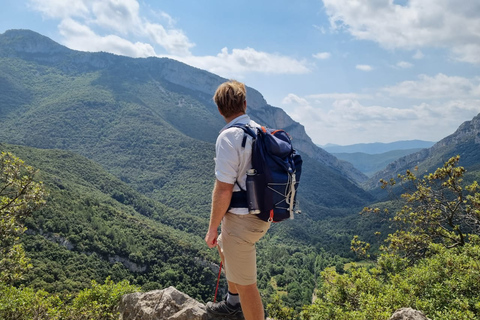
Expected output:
{"points": [[218, 281], [292, 194]]}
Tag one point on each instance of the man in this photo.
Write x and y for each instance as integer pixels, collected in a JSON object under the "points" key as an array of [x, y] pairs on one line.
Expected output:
{"points": [[239, 229]]}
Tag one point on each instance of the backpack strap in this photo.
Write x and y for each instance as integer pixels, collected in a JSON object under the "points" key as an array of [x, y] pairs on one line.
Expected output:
{"points": [[239, 198], [247, 129]]}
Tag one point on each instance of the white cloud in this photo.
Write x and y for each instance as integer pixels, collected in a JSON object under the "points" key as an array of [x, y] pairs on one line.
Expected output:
{"points": [[339, 96], [116, 15], [348, 121], [174, 41], [241, 61], [444, 102], [417, 24], [59, 9], [404, 64], [110, 24], [295, 100], [437, 87], [364, 67], [320, 28], [81, 37], [322, 55], [107, 25], [418, 55]]}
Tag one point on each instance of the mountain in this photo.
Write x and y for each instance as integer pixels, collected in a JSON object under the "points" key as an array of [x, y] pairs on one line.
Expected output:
{"points": [[370, 164], [465, 141], [151, 122], [378, 147]]}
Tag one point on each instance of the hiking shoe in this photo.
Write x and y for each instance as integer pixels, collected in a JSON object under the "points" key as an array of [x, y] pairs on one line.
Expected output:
{"points": [[223, 310]]}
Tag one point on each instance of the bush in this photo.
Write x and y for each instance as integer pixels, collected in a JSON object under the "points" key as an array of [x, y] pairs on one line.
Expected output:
{"points": [[98, 302], [443, 286], [27, 304]]}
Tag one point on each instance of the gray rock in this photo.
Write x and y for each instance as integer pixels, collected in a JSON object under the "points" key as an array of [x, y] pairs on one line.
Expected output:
{"points": [[166, 304], [408, 314]]}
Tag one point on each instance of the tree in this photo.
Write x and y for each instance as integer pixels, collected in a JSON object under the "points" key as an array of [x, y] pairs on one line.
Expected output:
{"points": [[430, 262], [20, 195], [439, 209]]}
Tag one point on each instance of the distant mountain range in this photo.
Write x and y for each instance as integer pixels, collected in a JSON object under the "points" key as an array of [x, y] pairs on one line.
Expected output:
{"points": [[370, 164], [465, 141], [378, 147]]}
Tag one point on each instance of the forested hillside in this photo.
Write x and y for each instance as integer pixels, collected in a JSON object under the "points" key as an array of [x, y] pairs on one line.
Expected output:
{"points": [[94, 226]]}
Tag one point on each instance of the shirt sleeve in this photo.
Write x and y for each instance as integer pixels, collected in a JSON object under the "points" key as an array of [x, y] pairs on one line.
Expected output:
{"points": [[227, 161]]}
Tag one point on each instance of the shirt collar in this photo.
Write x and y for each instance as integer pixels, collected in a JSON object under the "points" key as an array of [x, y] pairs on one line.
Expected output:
{"points": [[243, 119]]}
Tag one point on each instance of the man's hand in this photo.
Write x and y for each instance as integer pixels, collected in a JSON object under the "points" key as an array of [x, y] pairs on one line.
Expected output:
{"points": [[211, 238], [221, 196]]}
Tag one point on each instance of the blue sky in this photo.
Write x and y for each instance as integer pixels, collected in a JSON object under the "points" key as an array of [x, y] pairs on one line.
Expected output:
{"points": [[350, 71]]}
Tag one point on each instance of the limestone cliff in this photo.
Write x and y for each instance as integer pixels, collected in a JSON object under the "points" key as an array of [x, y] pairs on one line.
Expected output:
{"points": [[260, 111]]}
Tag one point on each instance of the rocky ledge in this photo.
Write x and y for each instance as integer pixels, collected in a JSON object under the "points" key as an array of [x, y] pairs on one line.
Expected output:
{"points": [[171, 304], [167, 304]]}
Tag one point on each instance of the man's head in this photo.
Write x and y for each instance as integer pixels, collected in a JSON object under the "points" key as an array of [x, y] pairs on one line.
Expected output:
{"points": [[230, 98]]}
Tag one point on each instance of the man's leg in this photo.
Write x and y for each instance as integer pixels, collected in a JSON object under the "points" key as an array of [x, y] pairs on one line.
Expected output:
{"points": [[230, 307], [232, 288], [252, 305]]}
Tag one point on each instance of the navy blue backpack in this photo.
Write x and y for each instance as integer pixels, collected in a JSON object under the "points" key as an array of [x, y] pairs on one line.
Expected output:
{"points": [[273, 181]]}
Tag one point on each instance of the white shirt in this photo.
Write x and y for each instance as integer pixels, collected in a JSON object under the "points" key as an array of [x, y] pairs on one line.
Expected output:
{"points": [[232, 160]]}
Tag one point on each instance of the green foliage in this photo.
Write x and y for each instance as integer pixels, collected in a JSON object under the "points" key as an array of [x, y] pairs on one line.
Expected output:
{"points": [[96, 302], [99, 301], [444, 286], [439, 209], [84, 232], [430, 263], [277, 310], [27, 304], [19, 197]]}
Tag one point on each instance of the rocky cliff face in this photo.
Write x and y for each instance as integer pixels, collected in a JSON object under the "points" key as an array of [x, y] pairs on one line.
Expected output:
{"points": [[260, 111], [468, 132]]}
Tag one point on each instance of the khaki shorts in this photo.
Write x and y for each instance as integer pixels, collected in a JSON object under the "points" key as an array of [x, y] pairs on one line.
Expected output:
{"points": [[237, 243]]}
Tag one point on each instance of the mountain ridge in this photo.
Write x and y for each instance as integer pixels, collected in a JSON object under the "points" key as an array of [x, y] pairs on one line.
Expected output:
{"points": [[465, 138], [378, 147], [202, 83], [370, 164]]}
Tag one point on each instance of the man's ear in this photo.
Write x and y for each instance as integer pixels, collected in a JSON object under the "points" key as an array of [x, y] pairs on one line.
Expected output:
{"points": [[245, 106]]}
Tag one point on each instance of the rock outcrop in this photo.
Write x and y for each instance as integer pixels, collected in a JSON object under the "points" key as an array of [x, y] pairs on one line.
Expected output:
{"points": [[408, 314], [171, 304], [166, 304]]}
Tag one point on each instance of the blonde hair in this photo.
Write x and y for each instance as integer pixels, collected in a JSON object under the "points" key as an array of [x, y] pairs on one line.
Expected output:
{"points": [[230, 98]]}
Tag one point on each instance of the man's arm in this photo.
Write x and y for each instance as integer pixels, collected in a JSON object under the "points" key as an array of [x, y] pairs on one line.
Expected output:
{"points": [[221, 197]]}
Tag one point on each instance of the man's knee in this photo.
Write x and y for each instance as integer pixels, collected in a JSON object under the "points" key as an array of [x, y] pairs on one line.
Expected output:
{"points": [[246, 288]]}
